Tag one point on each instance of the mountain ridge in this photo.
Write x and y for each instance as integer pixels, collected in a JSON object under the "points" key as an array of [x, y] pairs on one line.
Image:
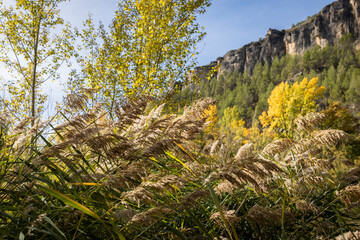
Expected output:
{"points": [[326, 27]]}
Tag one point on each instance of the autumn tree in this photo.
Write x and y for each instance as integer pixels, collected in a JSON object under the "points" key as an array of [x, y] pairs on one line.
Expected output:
{"points": [[31, 52], [150, 46], [287, 102], [211, 115], [232, 126]]}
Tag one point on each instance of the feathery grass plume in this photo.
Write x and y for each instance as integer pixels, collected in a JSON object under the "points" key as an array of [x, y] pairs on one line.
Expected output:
{"points": [[192, 199], [156, 113], [156, 149], [76, 100], [224, 187], [139, 195], [20, 144], [129, 111], [192, 120], [310, 181], [221, 238], [56, 149], [323, 229], [102, 142], [38, 126], [306, 207], [238, 178], [305, 145], [277, 146], [126, 176], [214, 147], [259, 165], [150, 216], [73, 125], [292, 158], [306, 160], [230, 216], [160, 184], [250, 170], [124, 215], [196, 111], [352, 176], [21, 126], [349, 236], [310, 121], [200, 169], [245, 151], [351, 195], [267, 217], [330, 137]]}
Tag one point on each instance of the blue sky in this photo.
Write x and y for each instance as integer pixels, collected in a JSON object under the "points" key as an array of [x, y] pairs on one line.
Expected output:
{"points": [[230, 24]]}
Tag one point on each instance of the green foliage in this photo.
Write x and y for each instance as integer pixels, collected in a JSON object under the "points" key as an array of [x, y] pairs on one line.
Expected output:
{"points": [[149, 47], [337, 68], [31, 52], [146, 175], [231, 126]]}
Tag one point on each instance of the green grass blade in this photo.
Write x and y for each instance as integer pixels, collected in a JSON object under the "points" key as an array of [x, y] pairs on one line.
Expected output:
{"points": [[76, 205], [179, 161], [175, 231], [69, 201], [199, 224], [219, 208], [53, 225]]}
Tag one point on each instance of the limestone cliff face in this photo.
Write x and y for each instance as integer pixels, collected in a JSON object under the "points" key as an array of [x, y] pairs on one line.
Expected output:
{"points": [[328, 26]]}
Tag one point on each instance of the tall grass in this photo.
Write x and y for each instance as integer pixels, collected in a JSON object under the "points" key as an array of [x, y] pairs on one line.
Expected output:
{"points": [[142, 174]]}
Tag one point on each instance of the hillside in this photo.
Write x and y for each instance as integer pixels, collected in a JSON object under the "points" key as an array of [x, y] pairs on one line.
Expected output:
{"points": [[324, 46], [327, 27]]}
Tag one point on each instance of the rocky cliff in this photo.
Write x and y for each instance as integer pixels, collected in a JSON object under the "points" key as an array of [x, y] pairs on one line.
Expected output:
{"points": [[328, 26]]}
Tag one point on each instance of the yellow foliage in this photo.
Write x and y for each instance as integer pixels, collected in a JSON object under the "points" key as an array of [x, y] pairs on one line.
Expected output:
{"points": [[233, 127], [149, 47], [31, 52], [211, 115], [287, 102]]}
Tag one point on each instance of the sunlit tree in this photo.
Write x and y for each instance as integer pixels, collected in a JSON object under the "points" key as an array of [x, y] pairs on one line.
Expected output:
{"points": [[232, 126], [149, 47], [211, 115], [32, 52], [287, 102]]}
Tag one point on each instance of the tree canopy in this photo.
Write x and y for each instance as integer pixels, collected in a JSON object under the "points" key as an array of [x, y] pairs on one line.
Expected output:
{"points": [[31, 52], [150, 46], [287, 102]]}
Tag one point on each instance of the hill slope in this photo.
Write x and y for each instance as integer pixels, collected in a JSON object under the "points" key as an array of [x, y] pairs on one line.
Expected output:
{"points": [[327, 27]]}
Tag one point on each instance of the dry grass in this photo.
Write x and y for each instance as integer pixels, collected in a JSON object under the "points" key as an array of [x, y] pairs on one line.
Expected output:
{"points": [[147, 175]]}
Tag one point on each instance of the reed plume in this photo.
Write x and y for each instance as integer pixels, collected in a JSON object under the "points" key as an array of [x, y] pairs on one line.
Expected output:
{"points": [[310, 121]]}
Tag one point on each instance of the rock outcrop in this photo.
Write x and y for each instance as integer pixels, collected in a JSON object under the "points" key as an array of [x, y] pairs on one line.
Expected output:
{"points": [[328, 26]]}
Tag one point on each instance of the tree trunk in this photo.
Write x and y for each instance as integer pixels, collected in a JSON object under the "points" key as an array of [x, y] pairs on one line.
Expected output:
{"points": [[33, 81]]}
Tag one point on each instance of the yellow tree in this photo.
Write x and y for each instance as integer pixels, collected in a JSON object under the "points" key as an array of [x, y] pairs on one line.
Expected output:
{"points": [[232, 126], [287, 102], [31, 52], [211, 115], [149, 47]]}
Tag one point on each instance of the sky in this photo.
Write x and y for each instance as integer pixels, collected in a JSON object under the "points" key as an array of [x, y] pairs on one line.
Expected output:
{"points": [[229, 24]]}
